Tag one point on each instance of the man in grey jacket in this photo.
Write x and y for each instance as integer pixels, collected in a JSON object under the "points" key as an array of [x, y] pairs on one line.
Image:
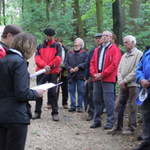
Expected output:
{"points": [[128, 89]]}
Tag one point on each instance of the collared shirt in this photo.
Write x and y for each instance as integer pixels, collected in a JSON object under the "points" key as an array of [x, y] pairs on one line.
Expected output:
{"points": [[130, 51], [100, 63]]}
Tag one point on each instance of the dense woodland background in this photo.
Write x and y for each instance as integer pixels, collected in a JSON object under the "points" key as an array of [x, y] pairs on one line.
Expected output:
{"points": [[80, 18]]}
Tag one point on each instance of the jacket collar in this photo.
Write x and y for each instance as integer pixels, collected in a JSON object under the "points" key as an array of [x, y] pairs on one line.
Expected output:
{"points": [[46, 42], [16, 51]]}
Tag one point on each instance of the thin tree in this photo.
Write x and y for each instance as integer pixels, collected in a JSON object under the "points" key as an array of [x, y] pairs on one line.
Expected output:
{"points": [[78, 23], [0, 12], [99, 14], [117, 21], [4, 19], [134, 13], [48, 10]]}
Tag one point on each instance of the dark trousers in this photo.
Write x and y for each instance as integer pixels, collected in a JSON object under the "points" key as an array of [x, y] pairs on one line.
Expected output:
{"points": [[13, 136], [64, 87], [51, 94], [103, 91], [146, 119], [90, 97]]}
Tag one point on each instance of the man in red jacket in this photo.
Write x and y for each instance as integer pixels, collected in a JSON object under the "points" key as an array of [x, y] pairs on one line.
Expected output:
{"points": [[103, 68], [48, 56]]}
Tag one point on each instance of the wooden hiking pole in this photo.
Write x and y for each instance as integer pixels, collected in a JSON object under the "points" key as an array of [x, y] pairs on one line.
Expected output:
{"points": [[58, 87]]}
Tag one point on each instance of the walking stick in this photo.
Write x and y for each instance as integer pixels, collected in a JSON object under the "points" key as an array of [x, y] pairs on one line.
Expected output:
{"points": [[58, 87]]}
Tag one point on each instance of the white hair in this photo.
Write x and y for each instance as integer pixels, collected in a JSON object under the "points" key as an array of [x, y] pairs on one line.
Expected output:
{"points": [[82, 42], [110, 33], [131, 38]]}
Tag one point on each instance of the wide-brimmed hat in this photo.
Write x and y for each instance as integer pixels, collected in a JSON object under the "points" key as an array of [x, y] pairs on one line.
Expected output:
{"points": [[142, 96]]}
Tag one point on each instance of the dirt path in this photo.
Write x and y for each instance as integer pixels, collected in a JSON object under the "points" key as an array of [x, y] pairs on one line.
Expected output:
{"points": [[72, 132]]}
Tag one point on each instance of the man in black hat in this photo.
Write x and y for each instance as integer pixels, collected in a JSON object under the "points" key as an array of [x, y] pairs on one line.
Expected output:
{"points": [[7, 37], [88, 78], [48, 56]]}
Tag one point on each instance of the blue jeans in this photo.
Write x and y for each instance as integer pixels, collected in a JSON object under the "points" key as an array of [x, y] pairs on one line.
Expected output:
{"points": [[72, 91]]}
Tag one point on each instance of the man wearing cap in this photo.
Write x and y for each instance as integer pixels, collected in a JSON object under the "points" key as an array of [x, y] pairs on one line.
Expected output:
{"points": [[88, 78], [128, 88], [7, 38], [103, 69], [48, 56], [143, 78]]}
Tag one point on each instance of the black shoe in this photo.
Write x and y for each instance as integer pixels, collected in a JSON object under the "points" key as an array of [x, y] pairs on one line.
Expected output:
{"points": [[89, 118], [55, 118], [36, 116], [139, 138], [108, 127], [72, 110], [143, 146], [96, 125], [80, 111]]}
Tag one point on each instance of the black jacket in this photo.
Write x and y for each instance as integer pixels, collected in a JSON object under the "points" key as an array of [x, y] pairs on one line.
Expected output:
{"points": [[79, 61], [14, 89]]}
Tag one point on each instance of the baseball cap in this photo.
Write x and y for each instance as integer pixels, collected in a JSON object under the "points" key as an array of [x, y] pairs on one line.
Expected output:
{"points": [[98, 35], [142, 96]]}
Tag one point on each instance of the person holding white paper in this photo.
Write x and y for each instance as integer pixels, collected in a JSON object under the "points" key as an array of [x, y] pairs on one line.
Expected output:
{"points": [[48, 56], [15, 113]]}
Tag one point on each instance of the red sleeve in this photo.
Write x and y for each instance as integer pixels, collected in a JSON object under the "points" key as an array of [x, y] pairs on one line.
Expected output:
{"points": [[93, 63], [2, 52], [39, 62], [112, 61]]}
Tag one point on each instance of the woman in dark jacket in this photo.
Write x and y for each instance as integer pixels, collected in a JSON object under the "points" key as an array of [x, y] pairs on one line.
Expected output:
{"points": [[15, 111]]}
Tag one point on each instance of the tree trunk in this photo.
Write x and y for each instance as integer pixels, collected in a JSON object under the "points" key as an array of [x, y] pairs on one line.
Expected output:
{"points": [[117, 21], [3, 3], [0, 11], [47, 10], [78, 23], [22, 8], [134, 13], [99, 15], [123, 15]]}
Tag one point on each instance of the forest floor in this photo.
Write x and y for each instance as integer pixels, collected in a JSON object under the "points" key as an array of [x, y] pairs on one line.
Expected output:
{"points": [[72, 131]]}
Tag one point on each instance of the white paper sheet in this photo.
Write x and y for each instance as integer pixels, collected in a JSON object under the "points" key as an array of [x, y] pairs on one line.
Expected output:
{"points": [[37, 73], [46, 86]]}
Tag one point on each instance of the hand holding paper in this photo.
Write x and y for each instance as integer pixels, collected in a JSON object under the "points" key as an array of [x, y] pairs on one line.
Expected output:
{"points": [[45, 86], [38, 73]]}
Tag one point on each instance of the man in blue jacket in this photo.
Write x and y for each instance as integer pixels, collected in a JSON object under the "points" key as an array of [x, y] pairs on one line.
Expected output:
{"points": [[143, 77]]}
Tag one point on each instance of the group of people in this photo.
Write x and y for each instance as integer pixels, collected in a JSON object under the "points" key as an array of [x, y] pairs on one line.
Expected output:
{"points": [[100, 69]]}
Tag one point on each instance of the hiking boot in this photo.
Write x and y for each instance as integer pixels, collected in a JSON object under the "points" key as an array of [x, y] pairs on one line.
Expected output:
{"points": [[36, 116], [72, 110], [49, 106], [65, 106], [127, 132], [89, 118], [145, 145], [108, 127], [96, 125], [79, 110], [114, 130], [55, 118]]}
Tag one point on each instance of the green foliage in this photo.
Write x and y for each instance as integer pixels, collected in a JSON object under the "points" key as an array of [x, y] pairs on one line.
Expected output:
{"points": [[143, 33], [34, 19]]}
